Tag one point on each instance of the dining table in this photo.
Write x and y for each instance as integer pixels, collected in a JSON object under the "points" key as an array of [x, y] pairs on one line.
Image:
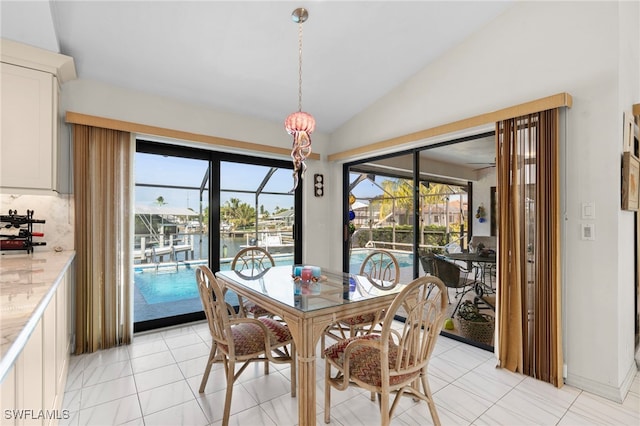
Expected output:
{"points": [[308, 307]]}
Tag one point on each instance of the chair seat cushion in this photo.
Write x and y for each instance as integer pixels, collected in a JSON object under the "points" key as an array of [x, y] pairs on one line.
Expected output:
{"points": [[365, 363], [363, 319], [359, 319], [249, 339], [257, 310]]}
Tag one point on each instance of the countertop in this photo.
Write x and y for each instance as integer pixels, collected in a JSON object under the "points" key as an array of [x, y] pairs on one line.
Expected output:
{"points": [[27, 284]]}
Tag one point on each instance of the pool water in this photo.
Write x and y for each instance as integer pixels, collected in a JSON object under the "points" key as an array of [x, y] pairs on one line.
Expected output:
{"points": [[171, 285], [404, 259], [161, 287]]}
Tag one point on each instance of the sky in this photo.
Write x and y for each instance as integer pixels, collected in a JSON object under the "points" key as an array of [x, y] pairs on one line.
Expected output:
{"points": [[158, 169]]}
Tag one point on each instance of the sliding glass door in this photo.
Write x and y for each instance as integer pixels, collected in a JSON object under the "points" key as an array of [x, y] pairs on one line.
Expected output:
{"points": [[197, 207], [170, 236], [405, 214], [426, 203], [381, 211]]}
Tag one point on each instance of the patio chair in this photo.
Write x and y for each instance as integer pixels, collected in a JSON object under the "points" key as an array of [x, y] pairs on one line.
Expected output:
{"points": [[428, 264], [383, 271], [252, 261], [396, 359], [453, 276], [240, 340]]}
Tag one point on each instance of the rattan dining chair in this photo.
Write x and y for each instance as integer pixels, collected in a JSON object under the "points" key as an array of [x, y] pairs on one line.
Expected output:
{"points": [[251, 261], [383, 271], [396, 359], [238, 340]]}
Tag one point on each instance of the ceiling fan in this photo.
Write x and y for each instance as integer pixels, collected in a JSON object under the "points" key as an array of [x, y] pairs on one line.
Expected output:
{"points": [[487, 165]]}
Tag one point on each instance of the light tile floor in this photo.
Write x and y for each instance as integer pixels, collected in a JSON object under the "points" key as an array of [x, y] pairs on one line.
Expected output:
{"points": [[155, 381]]}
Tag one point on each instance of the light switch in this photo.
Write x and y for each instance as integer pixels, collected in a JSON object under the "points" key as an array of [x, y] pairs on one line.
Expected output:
{"points": [[588, 231], [588, 211]]}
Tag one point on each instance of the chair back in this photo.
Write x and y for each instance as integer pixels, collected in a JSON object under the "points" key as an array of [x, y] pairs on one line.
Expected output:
{"points": [[215, 308], [256, 259], [489, 242], [453, 248], [448, 272], [423, 303], [382, 269], [428, 263]]}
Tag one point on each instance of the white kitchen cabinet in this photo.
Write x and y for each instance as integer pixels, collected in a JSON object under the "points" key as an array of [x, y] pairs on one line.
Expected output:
{"points": [[32, 390], [30, 156], [28, 146]]}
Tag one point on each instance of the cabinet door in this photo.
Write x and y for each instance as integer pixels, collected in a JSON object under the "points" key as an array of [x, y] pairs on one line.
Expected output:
{"points": [[8, 398], [27, 145], [29, 378], [49, 355]]}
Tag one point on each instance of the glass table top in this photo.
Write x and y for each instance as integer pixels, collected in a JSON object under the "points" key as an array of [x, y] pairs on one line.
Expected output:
{"points": [[332, 288]]}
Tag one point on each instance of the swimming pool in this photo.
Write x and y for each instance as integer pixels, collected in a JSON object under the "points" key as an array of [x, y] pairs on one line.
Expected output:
{"points": [[405, 259], [166, 286], [173, 283]]}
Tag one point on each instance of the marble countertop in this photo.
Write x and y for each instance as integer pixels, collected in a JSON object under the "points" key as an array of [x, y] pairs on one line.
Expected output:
{"points": [[27, 284]]}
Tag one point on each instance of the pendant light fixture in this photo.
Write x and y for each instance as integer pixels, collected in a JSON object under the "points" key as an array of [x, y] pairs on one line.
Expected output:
{"points": [[300, 124]]}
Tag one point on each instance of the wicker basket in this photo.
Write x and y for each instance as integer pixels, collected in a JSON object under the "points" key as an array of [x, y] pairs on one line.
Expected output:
{"points": [[475, 325], [478, 331]]}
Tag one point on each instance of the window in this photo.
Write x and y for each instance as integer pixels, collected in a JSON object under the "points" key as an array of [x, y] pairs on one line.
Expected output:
{"points": [[200, 207]]}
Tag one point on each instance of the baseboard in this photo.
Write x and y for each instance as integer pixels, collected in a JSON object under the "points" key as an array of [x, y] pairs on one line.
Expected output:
{"points": [[616, 394]]}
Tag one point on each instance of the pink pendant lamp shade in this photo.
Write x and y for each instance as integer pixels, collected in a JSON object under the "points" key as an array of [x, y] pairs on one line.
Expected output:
{"points": [[300, 125]]}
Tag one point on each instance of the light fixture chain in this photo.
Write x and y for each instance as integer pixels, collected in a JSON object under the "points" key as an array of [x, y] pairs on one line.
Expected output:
{"points": [[300, 66]]}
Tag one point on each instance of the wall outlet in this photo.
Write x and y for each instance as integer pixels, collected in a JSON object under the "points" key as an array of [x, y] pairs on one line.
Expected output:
{"points": [[588, 231]]}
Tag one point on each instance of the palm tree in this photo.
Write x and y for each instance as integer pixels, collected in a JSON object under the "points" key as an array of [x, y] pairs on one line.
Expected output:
{"points": [[245, 215], [436, 194], [400, 192], [238, 213], [160, 202]]}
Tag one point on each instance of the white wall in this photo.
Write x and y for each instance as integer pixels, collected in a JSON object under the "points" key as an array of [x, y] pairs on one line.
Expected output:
{"points": [[482, 196], [95, 98], [534, 50]]}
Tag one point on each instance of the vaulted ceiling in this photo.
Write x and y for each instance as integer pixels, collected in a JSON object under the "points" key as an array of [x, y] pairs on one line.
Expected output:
{"points": [[242, 56]]}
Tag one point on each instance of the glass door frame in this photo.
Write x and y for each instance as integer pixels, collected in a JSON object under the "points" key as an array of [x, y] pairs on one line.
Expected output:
{"points": [[215, 158], [256, 161], [415, 152]]}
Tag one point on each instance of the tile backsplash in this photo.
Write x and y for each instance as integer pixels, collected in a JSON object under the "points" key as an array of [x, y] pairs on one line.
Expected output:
{"points": [[56, 210]]}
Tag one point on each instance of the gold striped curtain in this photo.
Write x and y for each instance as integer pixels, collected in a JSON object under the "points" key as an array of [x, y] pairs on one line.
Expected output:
{"points": [[103, 193], [529, 304]]}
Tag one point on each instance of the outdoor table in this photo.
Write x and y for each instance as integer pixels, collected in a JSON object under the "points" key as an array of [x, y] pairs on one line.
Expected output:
{"points": [[477, 262]]}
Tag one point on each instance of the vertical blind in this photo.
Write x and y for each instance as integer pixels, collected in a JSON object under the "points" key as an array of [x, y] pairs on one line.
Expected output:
{"points": [[102, 185], [529, 305]]}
